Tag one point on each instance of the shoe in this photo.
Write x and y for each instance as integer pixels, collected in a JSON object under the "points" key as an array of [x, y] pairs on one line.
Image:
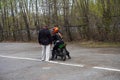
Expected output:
{"points": [[46, 60], [69, 57], [42, 60]]}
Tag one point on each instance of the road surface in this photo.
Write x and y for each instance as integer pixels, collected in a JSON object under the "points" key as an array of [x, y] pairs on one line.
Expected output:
{"points": [[21, 61]]}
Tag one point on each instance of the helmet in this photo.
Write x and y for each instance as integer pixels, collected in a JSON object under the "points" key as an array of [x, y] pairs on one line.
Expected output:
{"points": [[55, 29]]}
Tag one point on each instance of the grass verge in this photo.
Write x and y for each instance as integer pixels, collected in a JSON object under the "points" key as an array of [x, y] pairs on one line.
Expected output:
{"points": [[93, 44]]}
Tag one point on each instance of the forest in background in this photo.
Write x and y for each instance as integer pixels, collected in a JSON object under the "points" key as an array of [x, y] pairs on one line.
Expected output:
{"points": [[99, 20]]}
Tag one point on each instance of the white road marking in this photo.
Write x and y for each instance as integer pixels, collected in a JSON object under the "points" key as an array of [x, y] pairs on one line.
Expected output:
{"points": [[109, 69], [68, 64], [20, 58]]}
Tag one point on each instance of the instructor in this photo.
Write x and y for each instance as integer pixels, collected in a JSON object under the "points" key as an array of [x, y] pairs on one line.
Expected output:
{"points": [[45, 40]]}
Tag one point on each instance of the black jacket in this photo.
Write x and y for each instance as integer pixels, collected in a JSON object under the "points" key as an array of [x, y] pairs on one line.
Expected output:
{"points": [[44, 37], [56, 37]]}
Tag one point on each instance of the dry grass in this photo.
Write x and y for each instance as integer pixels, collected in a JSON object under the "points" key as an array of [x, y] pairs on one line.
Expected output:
{"points": [[93, 44]]}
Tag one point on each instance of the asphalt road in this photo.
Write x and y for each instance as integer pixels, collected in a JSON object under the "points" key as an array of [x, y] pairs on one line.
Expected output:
{"points": [[21, 61]]}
